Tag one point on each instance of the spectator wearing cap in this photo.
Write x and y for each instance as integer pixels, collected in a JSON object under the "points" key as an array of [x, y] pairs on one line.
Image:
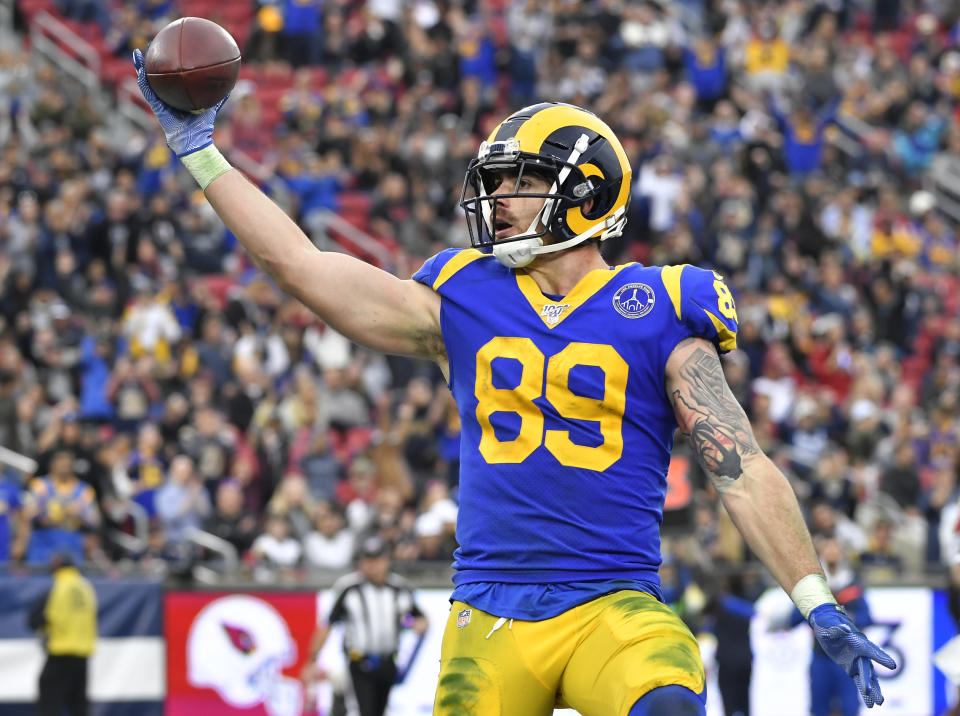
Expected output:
{"points": [[374, 606], [209, 443], [865, 429], [132, 390], [431, 545], [64, 430], [806, 435], [61, 510]]}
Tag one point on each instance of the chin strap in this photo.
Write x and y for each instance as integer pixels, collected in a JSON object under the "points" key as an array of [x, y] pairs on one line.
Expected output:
{"points": [[519, 253]]}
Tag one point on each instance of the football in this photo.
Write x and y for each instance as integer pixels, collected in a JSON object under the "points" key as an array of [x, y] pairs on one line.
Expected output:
{"points": [[192, 63]]}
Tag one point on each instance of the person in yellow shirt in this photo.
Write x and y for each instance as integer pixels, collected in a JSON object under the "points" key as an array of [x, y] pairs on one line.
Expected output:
{"points": [[67, 619], [766, 58]]}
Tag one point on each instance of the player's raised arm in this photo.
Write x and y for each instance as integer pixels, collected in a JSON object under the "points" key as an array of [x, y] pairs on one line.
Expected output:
{"points": [[762, 504], [369, 306]]}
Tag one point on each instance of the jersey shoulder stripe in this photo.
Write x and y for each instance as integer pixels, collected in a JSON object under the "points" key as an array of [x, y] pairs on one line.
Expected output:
{"points": [[702, 303], [440, 268]]}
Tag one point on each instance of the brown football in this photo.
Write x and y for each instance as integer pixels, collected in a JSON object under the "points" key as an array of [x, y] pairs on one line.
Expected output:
{"points": [[192, 63]]}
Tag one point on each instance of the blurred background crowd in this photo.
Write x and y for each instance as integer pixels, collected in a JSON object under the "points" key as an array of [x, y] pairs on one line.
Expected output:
{"points": [[174, 401]]}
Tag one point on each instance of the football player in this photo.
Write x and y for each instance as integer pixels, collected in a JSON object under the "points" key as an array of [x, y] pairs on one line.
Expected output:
{"points": [[570, 377]]}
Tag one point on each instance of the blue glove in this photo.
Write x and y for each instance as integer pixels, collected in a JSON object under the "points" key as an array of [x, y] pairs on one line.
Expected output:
{"points": [[848, 647], [186, 132]]}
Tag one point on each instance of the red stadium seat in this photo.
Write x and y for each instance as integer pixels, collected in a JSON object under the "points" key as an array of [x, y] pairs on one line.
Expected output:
{"points": [[354, 202], [218, 286], [29, 8]]}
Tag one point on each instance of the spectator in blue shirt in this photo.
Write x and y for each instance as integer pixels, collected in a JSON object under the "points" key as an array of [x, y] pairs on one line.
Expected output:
{"points": [[182, 503], [478, 56], [803, 136], [706, 67], [301, 41], [919, 139]]}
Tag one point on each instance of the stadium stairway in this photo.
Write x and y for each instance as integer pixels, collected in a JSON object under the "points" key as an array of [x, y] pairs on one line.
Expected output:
{"points": [[84, 44]]}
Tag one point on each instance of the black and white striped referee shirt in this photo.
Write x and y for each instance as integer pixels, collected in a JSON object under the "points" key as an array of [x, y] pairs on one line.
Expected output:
{"points": [[372, 614]]}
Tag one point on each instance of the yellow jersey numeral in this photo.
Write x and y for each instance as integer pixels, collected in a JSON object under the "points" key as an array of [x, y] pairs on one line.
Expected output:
{"points": [[608, 411]]}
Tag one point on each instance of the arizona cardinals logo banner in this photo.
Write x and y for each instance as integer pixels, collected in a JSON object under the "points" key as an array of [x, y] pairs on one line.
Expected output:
{"points": [[227, 652]]}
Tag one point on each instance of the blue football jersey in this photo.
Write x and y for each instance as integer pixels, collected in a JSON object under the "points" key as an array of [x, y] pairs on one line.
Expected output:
{"points": [[566, 426]]}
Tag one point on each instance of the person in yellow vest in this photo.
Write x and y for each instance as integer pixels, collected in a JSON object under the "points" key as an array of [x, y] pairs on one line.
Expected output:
{"points": [[67, 618]]}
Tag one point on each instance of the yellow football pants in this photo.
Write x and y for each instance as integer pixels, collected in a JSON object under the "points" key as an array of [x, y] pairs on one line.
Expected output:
{"points": [[598, 658]]}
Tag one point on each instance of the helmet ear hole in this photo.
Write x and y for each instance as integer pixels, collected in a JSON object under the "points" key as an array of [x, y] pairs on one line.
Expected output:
{"points": [[598, 205]]}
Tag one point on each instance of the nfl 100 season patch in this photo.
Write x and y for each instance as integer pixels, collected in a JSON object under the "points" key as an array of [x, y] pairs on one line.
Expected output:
{"points": [[634, 300], [551, 312]]}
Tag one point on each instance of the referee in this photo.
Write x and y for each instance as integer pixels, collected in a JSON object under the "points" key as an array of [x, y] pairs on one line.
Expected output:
{"points": [[373, 605]]}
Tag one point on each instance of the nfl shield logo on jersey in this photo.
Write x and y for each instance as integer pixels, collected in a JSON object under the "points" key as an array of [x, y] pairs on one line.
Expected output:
{"points": [[551, 312], [463, 618]]}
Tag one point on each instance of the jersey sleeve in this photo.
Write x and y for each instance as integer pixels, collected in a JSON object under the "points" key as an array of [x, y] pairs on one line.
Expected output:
{"points": [[428, 273], [703, 304], [439, 268]]}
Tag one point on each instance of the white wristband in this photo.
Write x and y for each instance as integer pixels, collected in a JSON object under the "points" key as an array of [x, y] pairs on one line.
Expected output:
{"points": [[810, 592], [206, 165]]}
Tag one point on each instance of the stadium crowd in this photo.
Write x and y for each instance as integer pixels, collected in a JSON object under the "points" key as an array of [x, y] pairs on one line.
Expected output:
{"points": [[165, 386]]}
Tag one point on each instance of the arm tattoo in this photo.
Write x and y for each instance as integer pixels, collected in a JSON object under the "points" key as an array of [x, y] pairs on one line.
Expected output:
{"points": [[713, 421]]}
